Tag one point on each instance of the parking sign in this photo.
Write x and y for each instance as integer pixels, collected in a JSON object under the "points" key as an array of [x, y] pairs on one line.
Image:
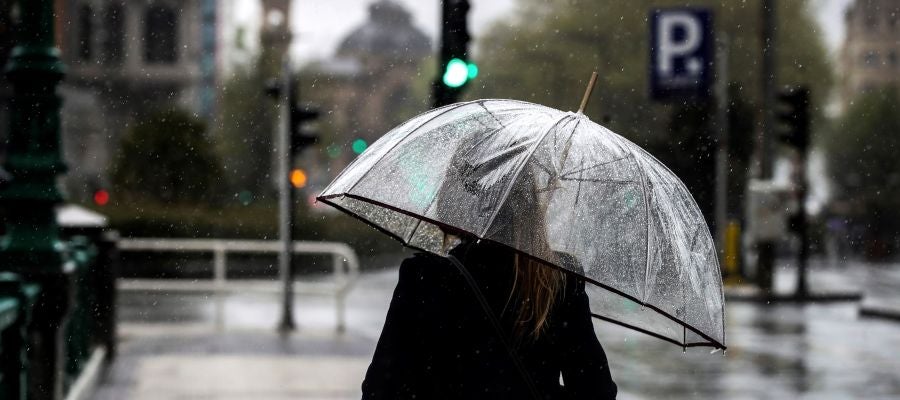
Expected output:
{"points": [[681, 53]]}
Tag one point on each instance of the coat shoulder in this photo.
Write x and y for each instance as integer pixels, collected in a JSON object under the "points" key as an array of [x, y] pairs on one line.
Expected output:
{"points": [[424, 265]]}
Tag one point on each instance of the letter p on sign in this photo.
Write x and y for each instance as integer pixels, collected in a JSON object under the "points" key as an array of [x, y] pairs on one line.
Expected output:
{"points": [[681, 53]]}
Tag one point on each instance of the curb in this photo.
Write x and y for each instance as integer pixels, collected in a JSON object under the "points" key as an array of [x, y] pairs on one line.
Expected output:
{"points": [[86, 384], [754, 295], [880, 312]]}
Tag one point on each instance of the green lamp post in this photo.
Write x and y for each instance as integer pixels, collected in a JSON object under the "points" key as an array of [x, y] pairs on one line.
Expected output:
{"points": [[31, 246]]}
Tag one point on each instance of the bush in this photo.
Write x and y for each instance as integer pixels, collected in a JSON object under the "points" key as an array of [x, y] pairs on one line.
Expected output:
{"points": [[255, 221], [167, 158], [863, 163]]}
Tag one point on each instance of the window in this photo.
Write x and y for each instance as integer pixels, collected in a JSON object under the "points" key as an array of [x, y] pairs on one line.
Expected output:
{"points": [[85, 32], [870, 59], [160, 36], [112, 44], [871, 20], [892, 58]]}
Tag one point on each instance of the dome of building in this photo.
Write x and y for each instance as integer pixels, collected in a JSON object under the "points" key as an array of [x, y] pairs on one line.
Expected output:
{"points": [[388, 32]]}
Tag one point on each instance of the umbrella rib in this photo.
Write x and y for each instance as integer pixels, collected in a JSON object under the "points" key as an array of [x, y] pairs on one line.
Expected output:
{"points": [[411, 131], [433, 198], [519, 171], [481, 103], [578, 192], [622, 181], [565, 174], [640, 173], [352, 164]]}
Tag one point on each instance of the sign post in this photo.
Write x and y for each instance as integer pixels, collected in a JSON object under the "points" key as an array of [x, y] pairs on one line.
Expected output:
{"points": [[687, 65]]}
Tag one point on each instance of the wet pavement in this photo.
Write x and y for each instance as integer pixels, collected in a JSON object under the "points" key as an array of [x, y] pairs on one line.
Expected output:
{"points": [[170, 347]]}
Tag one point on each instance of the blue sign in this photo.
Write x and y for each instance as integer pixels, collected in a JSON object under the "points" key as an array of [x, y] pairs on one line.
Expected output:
{"points": [[681, 53]]}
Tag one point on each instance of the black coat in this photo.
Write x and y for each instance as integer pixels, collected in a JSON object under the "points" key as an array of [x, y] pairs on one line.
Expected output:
{"points": [[437, 342]]}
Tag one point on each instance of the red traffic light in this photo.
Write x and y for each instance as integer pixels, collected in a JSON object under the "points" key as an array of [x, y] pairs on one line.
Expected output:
{"points": [[101, 197]]}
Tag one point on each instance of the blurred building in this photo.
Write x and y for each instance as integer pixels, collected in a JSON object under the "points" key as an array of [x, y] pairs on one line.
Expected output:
{"points": [[368, 86], [126, 58], [870, 57]]}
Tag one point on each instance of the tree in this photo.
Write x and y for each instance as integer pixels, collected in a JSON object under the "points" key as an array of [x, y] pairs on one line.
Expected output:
{"points": [[167, 158], [862, 151], [546, 52], [245, 126]]}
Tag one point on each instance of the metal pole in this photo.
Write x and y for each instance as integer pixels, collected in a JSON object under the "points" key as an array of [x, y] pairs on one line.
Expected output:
{"points": [[32, 246], [286, 201], [802, 291], [722, 154], [766, 249]]}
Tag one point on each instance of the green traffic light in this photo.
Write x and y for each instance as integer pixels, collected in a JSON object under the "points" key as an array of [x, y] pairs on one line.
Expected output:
{"points": [[457, 73], [472, 70], [359, 146]]}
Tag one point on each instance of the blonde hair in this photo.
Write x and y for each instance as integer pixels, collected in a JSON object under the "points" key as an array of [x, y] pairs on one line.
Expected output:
{"points": [[536, 285]]}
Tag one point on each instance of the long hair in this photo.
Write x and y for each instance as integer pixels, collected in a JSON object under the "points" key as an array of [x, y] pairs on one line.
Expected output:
{"points": [[537, 286]]}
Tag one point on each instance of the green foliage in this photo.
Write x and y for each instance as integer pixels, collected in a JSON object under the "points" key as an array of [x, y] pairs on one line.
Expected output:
{"points": [[245, 127], [167, 158], [862, 153], [233, 221], [547, 51]]}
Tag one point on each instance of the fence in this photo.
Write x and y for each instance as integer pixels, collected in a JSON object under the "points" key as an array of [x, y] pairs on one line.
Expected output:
{"points": [[16, 302], [345, 269]]}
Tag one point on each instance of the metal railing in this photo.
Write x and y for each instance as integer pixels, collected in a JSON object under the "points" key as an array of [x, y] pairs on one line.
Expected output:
{"points": [[17, 300], [345, 270]]}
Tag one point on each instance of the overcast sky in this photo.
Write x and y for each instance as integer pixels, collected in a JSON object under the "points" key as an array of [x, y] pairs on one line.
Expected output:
{"points": [[320, 24]]}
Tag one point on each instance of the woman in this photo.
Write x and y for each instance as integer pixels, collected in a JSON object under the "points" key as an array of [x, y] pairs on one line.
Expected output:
{"points": [[438, 341]]}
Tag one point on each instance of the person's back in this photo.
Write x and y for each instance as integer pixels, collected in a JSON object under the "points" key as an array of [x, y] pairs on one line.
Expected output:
{"points": [[438, 343]]}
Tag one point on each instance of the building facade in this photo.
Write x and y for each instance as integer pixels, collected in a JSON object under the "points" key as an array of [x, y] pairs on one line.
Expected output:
{"points": [[126, 58], [369, 85], [870, 57]]}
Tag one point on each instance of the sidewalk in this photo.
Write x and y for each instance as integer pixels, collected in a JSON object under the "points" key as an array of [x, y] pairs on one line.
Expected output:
{"points": [[169, 348], [178, 363]]}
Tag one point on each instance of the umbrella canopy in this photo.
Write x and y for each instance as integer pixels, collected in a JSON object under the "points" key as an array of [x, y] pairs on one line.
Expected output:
{"points": [[547, 182]]}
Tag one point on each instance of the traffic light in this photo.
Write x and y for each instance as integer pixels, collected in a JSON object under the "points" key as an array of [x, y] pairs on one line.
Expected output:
{"points": [[299, 117], [101, 197], [359, 146], [793, 117], [298, 178], [302, 135], [456, 69]]}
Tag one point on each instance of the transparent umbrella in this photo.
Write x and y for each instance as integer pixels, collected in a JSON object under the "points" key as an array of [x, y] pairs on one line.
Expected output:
{"points": [[547, 182]]}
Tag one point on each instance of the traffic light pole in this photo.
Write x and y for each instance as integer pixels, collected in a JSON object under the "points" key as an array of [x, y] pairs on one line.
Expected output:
{"points": [[721, 209], [765, 262], [796, 117], [800, 222], [286, 201]]}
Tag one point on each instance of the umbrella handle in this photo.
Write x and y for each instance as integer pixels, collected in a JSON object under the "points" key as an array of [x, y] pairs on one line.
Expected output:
{"points": [[496, 323]]}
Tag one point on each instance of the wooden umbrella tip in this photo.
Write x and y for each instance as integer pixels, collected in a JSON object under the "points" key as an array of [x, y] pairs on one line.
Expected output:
{"points": [[587, 92]]}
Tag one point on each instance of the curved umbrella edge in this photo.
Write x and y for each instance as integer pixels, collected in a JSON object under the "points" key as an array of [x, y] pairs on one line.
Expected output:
{"points": [[711, 342]]}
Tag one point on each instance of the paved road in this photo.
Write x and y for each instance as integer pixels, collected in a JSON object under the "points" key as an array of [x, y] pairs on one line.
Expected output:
{"points": [[170, 348]]}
